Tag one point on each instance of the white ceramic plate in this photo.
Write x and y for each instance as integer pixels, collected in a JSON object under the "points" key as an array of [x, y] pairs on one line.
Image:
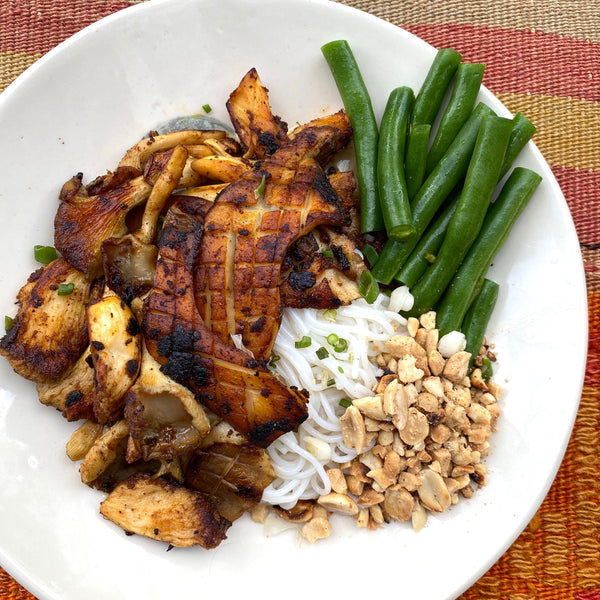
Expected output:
{"points": [[78, 109]]}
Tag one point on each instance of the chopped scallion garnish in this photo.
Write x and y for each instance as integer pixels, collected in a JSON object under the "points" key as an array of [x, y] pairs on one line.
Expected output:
{"points": [[259, 192], [330, 382], [274, 359], [206, 108], [486, 368], [340, 369], [322, 353], [8, 322], [305, 342], [341, 345], [327, 252], [368, 287], [330, 314], [370, 254], [44, 254], [345, 402], [332, 339], [64, 289]]}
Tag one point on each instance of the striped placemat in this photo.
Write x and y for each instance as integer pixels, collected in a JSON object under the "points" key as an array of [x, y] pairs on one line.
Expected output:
{"points": [[543, 58]]}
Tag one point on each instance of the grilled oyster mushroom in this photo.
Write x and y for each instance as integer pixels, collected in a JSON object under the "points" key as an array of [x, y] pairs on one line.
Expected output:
{"points": [[234, 476], [165, 419], [130, 260], [137, 155], [220, 168], [321, 270], [106, 449], [165, 511], [74, 393], [49, 332], [82, 440], [87, 216], [231, 383], [260, 132], [116, 352]]}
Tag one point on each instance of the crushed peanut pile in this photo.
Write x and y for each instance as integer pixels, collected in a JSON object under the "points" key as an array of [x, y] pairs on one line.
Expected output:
{"points": [[420, 438]]}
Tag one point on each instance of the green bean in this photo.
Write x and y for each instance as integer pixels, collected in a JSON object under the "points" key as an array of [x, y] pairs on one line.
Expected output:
{"points": [[437, 81], [436, 188], [478, 317], [415, 161], [498, 222], [357, 103], [480, 181], [523, 130], [393, 195], [464, 95], [427, 248]]}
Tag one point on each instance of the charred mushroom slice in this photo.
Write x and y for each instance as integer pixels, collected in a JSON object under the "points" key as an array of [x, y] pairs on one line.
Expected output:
{"points": [[250, 112], [87, 216], [230, 382], [49, 331], [115, 346], [104, 452], [220, 168], [136, 155], [248, 230], [162, 510], [234, 476], [164, 418], [130, 260], [74, 393]]}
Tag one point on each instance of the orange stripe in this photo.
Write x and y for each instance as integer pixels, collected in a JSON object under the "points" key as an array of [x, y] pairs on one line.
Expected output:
{"points": [[523, 62]]}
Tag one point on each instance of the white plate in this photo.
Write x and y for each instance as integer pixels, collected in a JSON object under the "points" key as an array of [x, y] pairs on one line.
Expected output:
{"points": [[78, 109]]}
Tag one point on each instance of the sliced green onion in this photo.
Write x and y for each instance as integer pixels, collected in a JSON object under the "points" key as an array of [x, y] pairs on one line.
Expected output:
{"points": [[8, 322], [274, 359], [259, 192], [486, 368], [330, 382], [64, 289], [206, 108], [370, 254], [305, 342], [345, 402], [322, 353], [368, 287], [44, 254], [330, 314], [340, 369], [351, 356], [332, 339], [341, 345], [327, 252]]}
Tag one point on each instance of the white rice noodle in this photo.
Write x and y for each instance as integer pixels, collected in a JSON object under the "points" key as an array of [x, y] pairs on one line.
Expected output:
{"points": [[341, 375]]}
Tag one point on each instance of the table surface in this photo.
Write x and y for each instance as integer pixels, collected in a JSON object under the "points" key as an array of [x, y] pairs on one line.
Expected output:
{"points": [[543, 58]]}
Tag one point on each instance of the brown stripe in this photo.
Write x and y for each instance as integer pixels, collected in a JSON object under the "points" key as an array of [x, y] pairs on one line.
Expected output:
{"points": [[566, 18], [524, 61], [568, 129]]}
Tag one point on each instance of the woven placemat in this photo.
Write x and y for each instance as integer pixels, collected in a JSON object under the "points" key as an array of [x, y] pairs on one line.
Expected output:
{"points": [[543, 58]]}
